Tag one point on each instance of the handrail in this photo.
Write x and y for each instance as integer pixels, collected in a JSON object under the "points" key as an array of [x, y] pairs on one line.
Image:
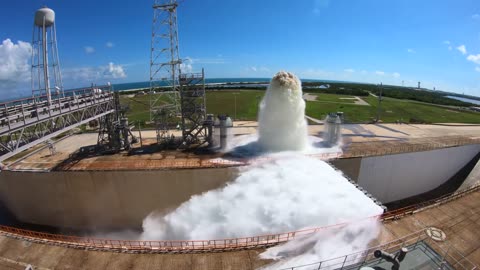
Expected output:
{"points": [[164, 246], [400, 212], [407, 147], [185, 246], [66, 93], [357, 259]]}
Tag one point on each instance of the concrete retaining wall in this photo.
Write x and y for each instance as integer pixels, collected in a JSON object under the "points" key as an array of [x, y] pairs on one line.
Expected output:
{"points": [[395, 177], [122, 199], [472, 179], [102, 199]]}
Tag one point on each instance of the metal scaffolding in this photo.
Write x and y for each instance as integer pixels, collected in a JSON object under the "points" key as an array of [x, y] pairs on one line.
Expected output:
{"points": [[164, 69], [115, 133], [194, 126]]}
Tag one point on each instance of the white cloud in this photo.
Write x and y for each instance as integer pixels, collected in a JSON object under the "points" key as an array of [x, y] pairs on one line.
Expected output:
{"points": [[477, 69], [14, 63], [114, 71], [411, 51], [315, 74], [89, 49], [396, 75], [462, 49], [381, 73], [474, 58], [363, 72], [209, 60], [109, 44], [349, 70], [447, 42], [187, 65], [257, 70], [88, 75], [475, 16]]}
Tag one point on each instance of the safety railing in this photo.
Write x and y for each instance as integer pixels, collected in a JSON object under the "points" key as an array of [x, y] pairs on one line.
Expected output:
{"points": [[356, 260], [362, 149], [354, 150], [408, 210], [26, 110], [187, 246], [179, 246], [178, 163]]}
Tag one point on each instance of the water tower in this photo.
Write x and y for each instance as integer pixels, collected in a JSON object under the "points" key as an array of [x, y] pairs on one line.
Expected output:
{"points": [[46, 77]]}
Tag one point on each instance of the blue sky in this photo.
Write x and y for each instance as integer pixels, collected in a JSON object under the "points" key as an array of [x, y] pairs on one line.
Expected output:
{"points": [[435, 42]]}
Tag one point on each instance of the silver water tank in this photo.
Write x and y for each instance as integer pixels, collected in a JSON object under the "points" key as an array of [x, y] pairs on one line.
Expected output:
{"points": [[221, 132], [46, 15], [225, 124], [332, 130]]}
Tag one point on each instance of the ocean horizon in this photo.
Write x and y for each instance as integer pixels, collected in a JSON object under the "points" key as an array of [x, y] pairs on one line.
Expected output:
{"points": [[146, 84]]}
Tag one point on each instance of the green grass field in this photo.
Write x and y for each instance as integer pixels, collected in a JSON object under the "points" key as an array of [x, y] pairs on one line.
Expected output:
{"points": [[244, 104]]}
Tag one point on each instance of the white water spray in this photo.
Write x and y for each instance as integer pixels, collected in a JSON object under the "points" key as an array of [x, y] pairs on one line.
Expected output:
{"points": [[281, 120], [287, 191]]}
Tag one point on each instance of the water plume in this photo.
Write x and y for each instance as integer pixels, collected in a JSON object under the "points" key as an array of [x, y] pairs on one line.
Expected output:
{"points": [[281, 120], [286, 191]]}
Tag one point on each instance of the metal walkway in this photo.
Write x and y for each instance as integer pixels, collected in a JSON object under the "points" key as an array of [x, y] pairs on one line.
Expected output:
{"points": [[30, 121]]}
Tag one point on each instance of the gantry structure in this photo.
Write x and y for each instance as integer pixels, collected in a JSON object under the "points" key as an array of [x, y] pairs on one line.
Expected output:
{"points": [[177, 100]]}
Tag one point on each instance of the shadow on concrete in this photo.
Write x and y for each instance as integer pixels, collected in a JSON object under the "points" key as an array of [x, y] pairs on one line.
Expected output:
{"points": [[357, 129], [391, 129], [374, 136]]}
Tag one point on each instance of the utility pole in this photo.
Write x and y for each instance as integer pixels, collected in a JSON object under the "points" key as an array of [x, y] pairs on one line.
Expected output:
{"points": [[379, 107], [235, 98]]}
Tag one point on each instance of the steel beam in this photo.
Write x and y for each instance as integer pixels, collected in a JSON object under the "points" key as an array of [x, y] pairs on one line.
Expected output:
{"points": [[27, 122]]}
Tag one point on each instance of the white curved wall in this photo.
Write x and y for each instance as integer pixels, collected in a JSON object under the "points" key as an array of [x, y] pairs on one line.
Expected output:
{"points": [[395, 177], [472, 179]]}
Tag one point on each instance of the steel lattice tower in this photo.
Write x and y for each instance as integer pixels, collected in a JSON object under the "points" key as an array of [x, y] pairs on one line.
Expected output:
{"points": [[46, 76], [164, 69]]}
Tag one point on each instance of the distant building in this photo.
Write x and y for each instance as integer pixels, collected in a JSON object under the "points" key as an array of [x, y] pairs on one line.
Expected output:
{"points": [[475, 108]]}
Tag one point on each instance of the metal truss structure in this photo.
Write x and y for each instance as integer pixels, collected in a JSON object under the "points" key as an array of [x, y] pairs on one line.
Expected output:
{"points": [[115, 134], [194, 129], [164, 69], [30, 121]]}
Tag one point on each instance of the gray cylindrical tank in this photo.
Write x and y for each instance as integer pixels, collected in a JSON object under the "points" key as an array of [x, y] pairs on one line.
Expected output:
{"points": [[332, 129], [222, 130], [44, 14]]}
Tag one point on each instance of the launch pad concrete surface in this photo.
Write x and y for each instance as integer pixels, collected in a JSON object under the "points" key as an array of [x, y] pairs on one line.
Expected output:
{"points": [[459, 219], [364, 138]]}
